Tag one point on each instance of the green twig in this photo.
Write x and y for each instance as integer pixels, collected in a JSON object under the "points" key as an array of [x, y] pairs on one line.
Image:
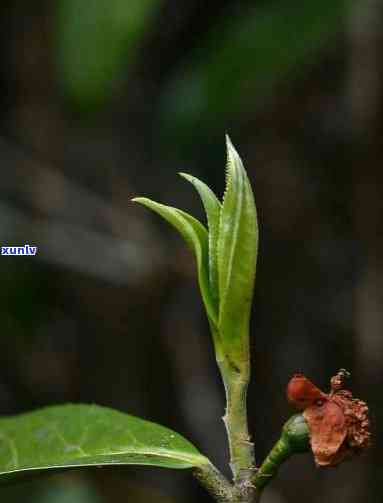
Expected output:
{"points": [[269, 468], [241, 448], [295, 438], [215, 483]]}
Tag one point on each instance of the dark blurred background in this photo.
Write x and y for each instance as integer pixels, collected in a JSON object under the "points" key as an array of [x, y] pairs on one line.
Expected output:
{"points": [[102, 100]]}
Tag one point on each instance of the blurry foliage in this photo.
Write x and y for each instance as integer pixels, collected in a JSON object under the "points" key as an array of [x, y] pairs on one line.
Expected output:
{"points": [[96, 42], [243, 58], [24, 300], [239, 61], [57, 489], [68, 491]]}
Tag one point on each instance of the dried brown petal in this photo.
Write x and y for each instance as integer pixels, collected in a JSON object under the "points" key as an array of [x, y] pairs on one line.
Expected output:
{"points": [[328, 431], [339, 424], [357, 420]]}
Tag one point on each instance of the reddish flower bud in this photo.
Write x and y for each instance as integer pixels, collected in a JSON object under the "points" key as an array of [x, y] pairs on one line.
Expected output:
{"points": [[338, 423]]}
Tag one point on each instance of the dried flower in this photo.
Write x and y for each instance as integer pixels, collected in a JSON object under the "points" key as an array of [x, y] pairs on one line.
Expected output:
{"points": [[338, 423]]}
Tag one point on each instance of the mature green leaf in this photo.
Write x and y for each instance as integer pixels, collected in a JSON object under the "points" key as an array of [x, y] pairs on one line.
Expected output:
{"points": [[196, 236], [69, 436], [212, 208], [237, 255]]}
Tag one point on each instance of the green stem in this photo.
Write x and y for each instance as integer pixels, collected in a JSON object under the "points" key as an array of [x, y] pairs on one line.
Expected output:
{"points": [[241, 448], [242, 462], [247, 488], [215, 483], [221, 489], [269, 468], [295, 438], [236, 381]]}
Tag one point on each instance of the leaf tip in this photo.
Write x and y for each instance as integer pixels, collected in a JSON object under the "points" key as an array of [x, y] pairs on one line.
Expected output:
{"points": [[138, 199], [187, 177], [230, 160], [231, 150]]}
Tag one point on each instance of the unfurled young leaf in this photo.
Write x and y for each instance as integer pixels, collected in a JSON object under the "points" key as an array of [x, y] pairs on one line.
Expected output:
{"points": [[196, 236], [237, 255], [69, 436], [212, 208]]}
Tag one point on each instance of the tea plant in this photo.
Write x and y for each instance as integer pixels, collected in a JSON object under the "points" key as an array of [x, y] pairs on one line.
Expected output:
{"points": [[334, 425]]}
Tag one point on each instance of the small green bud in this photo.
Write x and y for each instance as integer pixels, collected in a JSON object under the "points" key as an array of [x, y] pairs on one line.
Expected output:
{"points": [[296, 434]]}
